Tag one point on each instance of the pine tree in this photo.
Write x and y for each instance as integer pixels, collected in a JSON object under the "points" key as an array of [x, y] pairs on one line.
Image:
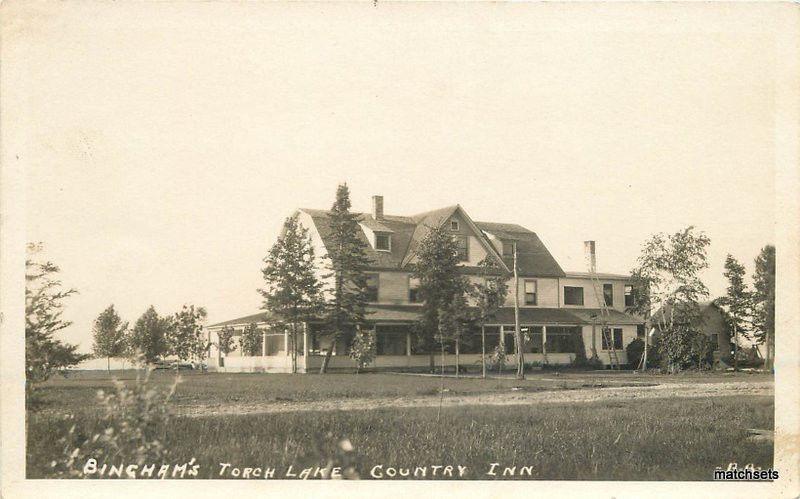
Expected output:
{"points": [[737, 303], [44, 353], [347, 262], [109, 335], [442, 289], [292, 294], [764, 302], [149, 338]]}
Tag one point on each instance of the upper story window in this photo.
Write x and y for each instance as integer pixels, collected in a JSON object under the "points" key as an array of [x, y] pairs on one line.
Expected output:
{"points": [[508, 248], [573, 295], [608, 294], [383, 242], [462, 249], [413, 290], [530, 292], [372, 287], [454, 225], [630, 299]]}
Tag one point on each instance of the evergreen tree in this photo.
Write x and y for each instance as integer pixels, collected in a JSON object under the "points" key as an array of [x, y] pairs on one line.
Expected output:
{"points": [[44, 353], [109, 335], [764, 302], [149, 338], [347, 261], [737, 304], [442, 289], [292, 294]]}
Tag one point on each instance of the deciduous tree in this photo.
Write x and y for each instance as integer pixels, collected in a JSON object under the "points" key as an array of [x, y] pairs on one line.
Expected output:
{"points": [[489, 294], [186, 336], [347, 261], [109, 335], [149, 338], [225, 340], [667, 279], [292, 292], [250, 340]]}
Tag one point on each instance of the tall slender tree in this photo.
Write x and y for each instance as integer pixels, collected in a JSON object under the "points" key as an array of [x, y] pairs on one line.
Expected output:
{"points": [[442, 289], [737, 303], [764, 302], [109, 335], [186, 337], [150, 336], [292, 292], [347, 261], [489, 294]]}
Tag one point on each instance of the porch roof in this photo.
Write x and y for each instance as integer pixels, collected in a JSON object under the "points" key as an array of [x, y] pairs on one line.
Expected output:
{"points": [[589, 315]]}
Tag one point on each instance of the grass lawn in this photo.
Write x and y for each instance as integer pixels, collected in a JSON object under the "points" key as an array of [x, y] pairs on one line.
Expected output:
{"points": [[79, 389], [668, 438]]}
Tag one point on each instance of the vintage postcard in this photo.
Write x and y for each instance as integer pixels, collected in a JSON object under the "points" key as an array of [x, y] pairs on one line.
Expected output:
{"points": [[389, 248]]}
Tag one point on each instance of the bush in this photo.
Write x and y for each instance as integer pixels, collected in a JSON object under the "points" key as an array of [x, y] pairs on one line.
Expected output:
{"points": [[634, 351], [131, 430], [497, 359]]}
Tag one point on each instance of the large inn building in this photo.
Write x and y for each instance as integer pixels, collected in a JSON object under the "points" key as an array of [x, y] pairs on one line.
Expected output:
{"points": [[558, 309]]}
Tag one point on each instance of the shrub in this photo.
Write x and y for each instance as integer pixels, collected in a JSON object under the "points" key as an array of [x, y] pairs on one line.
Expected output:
{"points": [[362, 350], [131, 430], [634, 351]]}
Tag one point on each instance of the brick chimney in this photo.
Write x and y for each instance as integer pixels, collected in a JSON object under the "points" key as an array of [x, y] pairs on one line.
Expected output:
{"points": [[590, 255], [377, 207]]}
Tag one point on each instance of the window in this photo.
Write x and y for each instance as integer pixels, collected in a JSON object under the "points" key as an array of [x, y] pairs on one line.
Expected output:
{"points": [[530, 292], [573, 295], [508, 248], [640, 330], [563, 339], [383, 242], [616, 333], [372, 287], [608, 294], [715, 341], [413, 290], [453, 224], [630, 300], [391, 340], [463, 248]]}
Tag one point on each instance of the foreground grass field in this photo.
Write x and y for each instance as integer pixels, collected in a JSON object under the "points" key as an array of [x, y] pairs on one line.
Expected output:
{"points": [[670, 438], [79, 389]]}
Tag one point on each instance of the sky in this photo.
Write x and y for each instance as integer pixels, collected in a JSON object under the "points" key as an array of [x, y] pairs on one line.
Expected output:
{"points": [[167, 142]]}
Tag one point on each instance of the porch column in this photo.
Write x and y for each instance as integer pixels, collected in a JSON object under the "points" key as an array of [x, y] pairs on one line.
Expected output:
{"points": [[408, 344], [483, 351], [544, 344], [305, 339], [264, 343], [286, 341]]}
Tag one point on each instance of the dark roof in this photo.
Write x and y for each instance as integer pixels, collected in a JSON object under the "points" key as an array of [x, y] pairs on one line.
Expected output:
{"points": [[247, 319], [535, 316], [407, 232], [533, 259], [600, 275], [590, 315]]}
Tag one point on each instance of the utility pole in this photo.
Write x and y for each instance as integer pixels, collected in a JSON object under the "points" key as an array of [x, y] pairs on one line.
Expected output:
{"points": [[517, 332]]}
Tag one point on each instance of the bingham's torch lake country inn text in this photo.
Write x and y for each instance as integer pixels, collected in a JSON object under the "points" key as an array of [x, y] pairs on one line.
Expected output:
{"points": [[559, 311]]}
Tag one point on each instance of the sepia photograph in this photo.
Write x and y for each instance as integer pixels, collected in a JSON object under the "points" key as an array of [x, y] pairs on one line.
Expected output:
{"points": [[468, 248]]}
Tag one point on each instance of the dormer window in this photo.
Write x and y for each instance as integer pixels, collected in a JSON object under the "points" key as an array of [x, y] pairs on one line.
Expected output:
{"points": [[383, 242], [508, 248], [454, 225]]}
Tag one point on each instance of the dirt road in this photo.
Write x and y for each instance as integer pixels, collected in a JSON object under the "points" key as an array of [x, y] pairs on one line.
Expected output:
{"points": [[589, 394]]}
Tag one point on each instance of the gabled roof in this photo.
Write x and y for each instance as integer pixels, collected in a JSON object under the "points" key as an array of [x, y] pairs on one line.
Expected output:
{"points": [[533, 258], [408, 231]]}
